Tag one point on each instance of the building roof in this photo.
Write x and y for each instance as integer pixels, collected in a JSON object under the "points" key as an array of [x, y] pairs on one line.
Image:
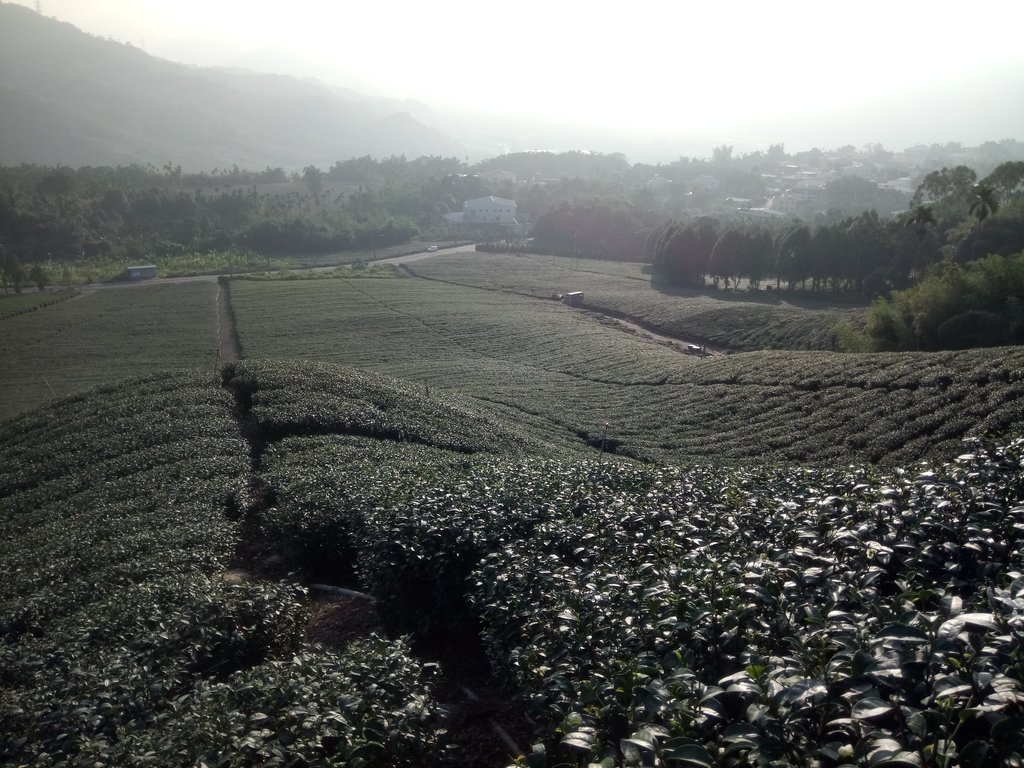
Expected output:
{"points": [[492, 199]]}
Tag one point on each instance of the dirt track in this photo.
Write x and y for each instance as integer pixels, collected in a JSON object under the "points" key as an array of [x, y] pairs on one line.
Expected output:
{"points": [[633, 327], [229, 348]]}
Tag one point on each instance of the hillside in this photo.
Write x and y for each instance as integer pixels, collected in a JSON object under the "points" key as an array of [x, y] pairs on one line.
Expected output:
{"points": [[123, 512], [68, 98], [571, 377], [559, 372], [725, 320], [158, 535]]}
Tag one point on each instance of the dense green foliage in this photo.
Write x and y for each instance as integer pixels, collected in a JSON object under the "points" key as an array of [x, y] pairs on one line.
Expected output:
{"points": [[790, 618], [390, 516], [979, 304], [61, 215], [863, 254], [639, 614], [121, 640], [867, 254], [701, 616], [595, 229]]}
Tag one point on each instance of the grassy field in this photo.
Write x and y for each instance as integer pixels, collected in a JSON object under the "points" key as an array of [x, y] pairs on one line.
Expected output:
{"points": [[724, 319], [558, 373], [93, 271], [103, 336]]}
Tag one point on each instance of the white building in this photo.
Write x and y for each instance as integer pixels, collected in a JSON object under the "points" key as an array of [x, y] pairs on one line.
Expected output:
{"points": [[489, 210], [485, 210]]}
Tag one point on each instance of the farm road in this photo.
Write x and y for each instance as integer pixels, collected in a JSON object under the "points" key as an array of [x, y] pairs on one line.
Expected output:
{"points": [[631, 326], [397, 260], [230, 348]]}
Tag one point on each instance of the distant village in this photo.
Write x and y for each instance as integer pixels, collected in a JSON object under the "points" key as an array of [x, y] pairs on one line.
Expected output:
{"points": [[813, 185]]}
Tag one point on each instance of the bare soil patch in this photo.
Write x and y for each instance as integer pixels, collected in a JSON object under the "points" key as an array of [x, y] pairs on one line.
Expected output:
{"points": [[337, 620]]}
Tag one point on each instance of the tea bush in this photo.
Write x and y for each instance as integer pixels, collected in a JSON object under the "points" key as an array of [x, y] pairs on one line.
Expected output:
{"points": [[121, 641], [836, 618]]}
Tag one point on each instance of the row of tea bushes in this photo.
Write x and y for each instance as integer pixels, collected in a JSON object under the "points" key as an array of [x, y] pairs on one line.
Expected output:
{"points": [[284, 399], [121, 640], [703, 616], [829, 618]]}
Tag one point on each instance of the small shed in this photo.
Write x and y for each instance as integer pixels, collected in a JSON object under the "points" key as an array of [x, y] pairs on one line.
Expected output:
{"points": [[573, 298], [141, 272]]}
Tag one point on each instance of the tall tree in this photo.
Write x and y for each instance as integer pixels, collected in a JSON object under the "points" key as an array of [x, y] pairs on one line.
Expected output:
{"points": [[39, 276], [722, 154], [984, 203], [11, 272], [1007, 178], [791, 256], [949, 182], [727, 255]]}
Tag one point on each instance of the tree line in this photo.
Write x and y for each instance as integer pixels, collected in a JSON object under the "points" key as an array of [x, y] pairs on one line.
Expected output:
{"points": [[980, 303], [574, 202], [954, 219], [129, 214]]}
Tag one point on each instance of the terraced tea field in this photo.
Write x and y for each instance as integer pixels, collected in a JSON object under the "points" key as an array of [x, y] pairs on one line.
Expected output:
{"points": [[123, 639], [102, 336], [159, 534], [559, 374], [727, 320]]}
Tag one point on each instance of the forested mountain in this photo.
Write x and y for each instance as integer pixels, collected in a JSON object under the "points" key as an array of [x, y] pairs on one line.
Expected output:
{"points": [[70, 98]]}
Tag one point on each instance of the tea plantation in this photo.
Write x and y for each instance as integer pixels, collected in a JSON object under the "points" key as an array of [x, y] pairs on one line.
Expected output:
{"points": [[562, 375], [57, 344], [633, 614], [738, 320]]}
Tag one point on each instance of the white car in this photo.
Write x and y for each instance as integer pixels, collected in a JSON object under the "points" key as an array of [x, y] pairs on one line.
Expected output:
{"points": [[431, 249]]}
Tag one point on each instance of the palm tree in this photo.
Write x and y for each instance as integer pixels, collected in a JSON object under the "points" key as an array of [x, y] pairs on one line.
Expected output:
{"points": [[921, 216], [984, 203]]}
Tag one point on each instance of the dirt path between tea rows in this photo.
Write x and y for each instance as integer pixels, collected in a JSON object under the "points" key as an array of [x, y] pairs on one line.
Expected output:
{"points": [[625, 323], [229, 348]]}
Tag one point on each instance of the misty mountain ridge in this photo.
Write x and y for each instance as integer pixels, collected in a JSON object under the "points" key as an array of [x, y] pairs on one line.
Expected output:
{"points": [[69, 98]]}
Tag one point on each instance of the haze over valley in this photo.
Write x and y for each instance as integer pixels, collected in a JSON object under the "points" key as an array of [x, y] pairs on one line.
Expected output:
{"points": [[654, 83]]}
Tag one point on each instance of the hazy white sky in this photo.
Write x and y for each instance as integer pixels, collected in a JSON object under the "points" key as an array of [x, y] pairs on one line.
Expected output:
{"points": [[708, 67]]}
